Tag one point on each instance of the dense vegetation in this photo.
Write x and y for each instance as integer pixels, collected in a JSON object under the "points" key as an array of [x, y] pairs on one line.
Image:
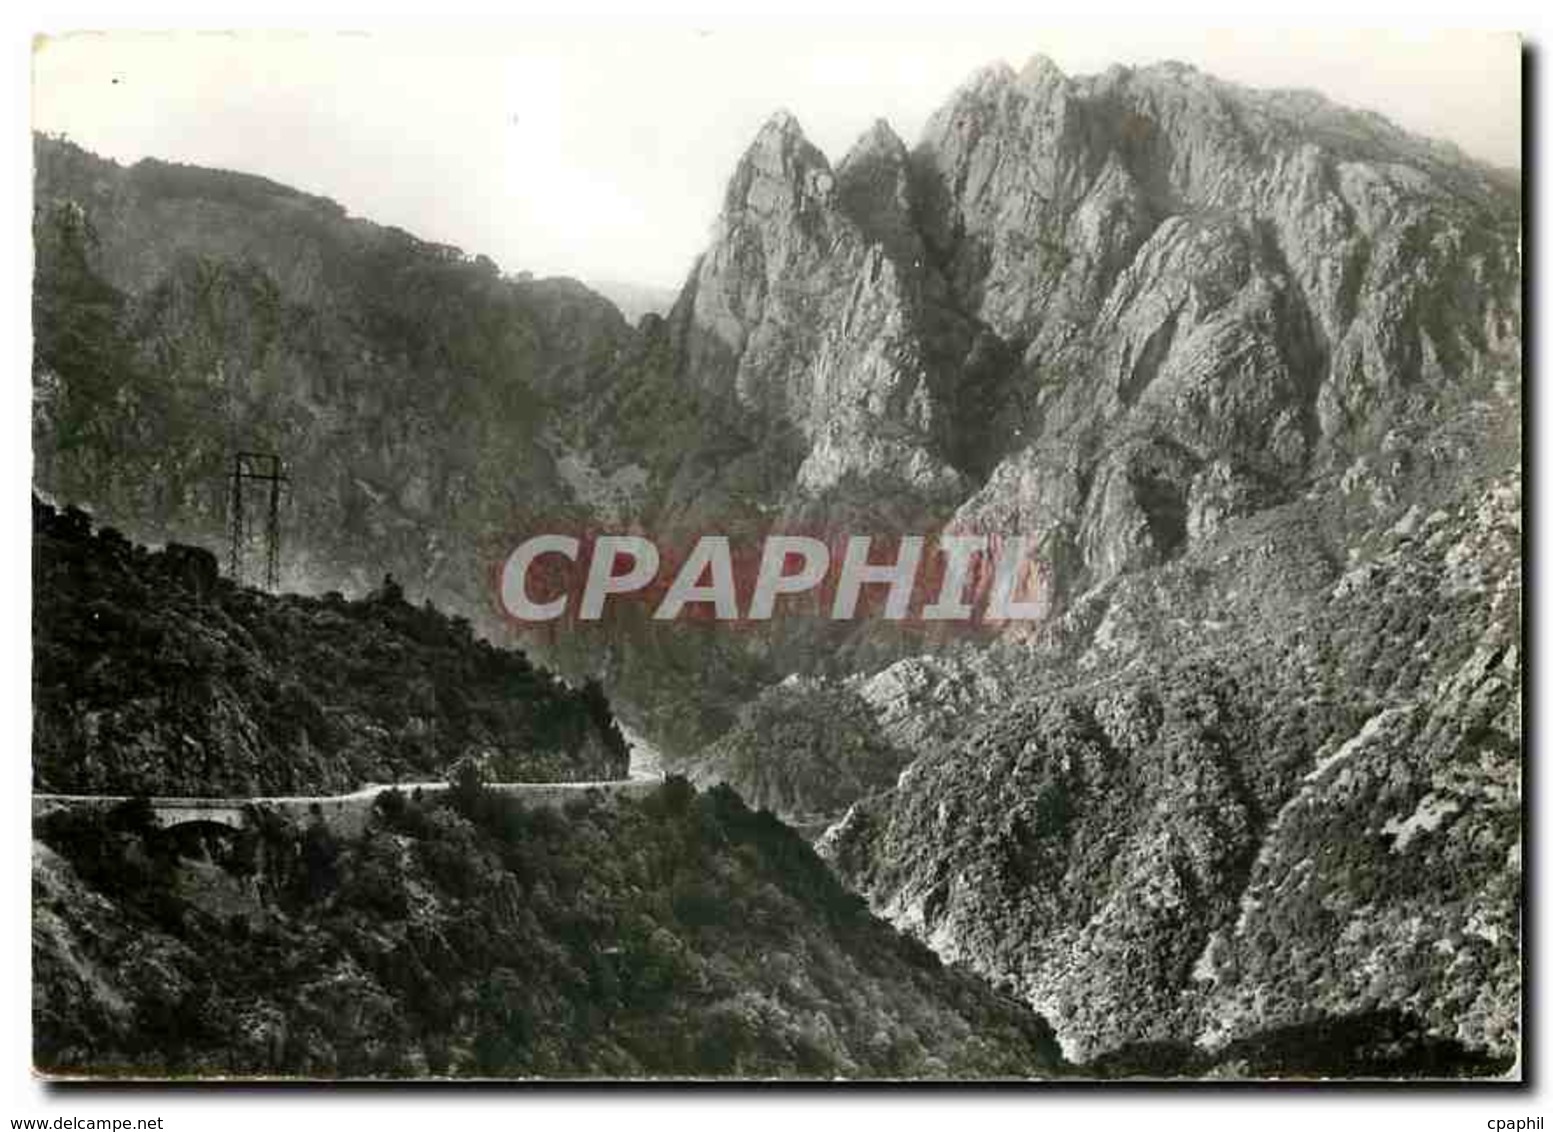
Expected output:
{"points": [[152, 674], [1366, 1044], [467, 936], [806, 750]]}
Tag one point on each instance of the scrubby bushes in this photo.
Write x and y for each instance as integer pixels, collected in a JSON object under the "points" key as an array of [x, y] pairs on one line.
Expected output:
{"points": [[152, 675], [465, 934]]}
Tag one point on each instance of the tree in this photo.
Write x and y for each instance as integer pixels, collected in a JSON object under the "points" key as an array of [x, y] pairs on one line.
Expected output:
{"points": [[466, 779]]}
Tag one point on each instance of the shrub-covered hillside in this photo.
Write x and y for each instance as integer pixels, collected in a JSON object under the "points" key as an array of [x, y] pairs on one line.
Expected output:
{"points": [[1300, 811], [464, 935], [806, 749], [152, 674]]}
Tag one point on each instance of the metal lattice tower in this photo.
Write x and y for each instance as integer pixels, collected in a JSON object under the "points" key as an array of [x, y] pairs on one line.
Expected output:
{"points": [[261, 468]]}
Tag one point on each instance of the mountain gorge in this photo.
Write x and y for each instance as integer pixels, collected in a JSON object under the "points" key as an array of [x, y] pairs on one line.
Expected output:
{"points": [[1245, 368]]}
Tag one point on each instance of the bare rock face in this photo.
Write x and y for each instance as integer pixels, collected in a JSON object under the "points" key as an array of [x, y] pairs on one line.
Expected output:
{"points": [[1015, 171], [1255, 280], [1080, 304], [874, 189], [809, 312], [1235, 782]]}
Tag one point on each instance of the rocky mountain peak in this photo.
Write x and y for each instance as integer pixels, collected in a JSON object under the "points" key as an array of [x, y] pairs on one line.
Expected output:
{"points": [[778, 211], [1181, 265], [879, 142], [807, 301], [781, 156], [1175, 68], [874, 187], [780, 131], [1039, 71], [989, 79]]}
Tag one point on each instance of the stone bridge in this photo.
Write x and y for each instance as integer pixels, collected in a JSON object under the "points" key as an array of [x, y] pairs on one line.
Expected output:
{"points": [[344, 814]]}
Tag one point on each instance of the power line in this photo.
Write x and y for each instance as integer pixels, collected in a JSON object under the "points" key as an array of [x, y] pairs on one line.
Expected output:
{"points": [[260, 468]]}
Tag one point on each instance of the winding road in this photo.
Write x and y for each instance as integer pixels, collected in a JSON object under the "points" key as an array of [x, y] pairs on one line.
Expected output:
{"points": [[347, 814]]}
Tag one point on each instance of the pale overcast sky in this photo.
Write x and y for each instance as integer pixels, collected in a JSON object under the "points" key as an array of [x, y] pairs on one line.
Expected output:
{"points": [[563, 150]]}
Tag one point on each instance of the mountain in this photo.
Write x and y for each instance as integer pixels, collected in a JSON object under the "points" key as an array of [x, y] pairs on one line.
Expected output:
{"points": [[182, 314], [460, 934], [1241, 799], [429, 411], [1112, 314], [1106, 312], [679, 935], [153, 674], [1245, 368]]}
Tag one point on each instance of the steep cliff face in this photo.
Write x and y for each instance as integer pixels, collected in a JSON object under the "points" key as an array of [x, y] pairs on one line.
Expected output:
{"points": [[1243, 347], [1085, 309], [1215, 294], [1144, 304], [1106, 312], [810, 317]]}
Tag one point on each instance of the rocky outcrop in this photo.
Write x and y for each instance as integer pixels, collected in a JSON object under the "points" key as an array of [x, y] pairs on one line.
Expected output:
{"points": [[1110, 313], [1223, 799], [810, 316], [1107, 312], [1256, 281]]}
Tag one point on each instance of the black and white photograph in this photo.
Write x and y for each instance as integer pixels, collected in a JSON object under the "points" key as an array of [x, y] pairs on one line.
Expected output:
{"points": [[704, 551]]}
